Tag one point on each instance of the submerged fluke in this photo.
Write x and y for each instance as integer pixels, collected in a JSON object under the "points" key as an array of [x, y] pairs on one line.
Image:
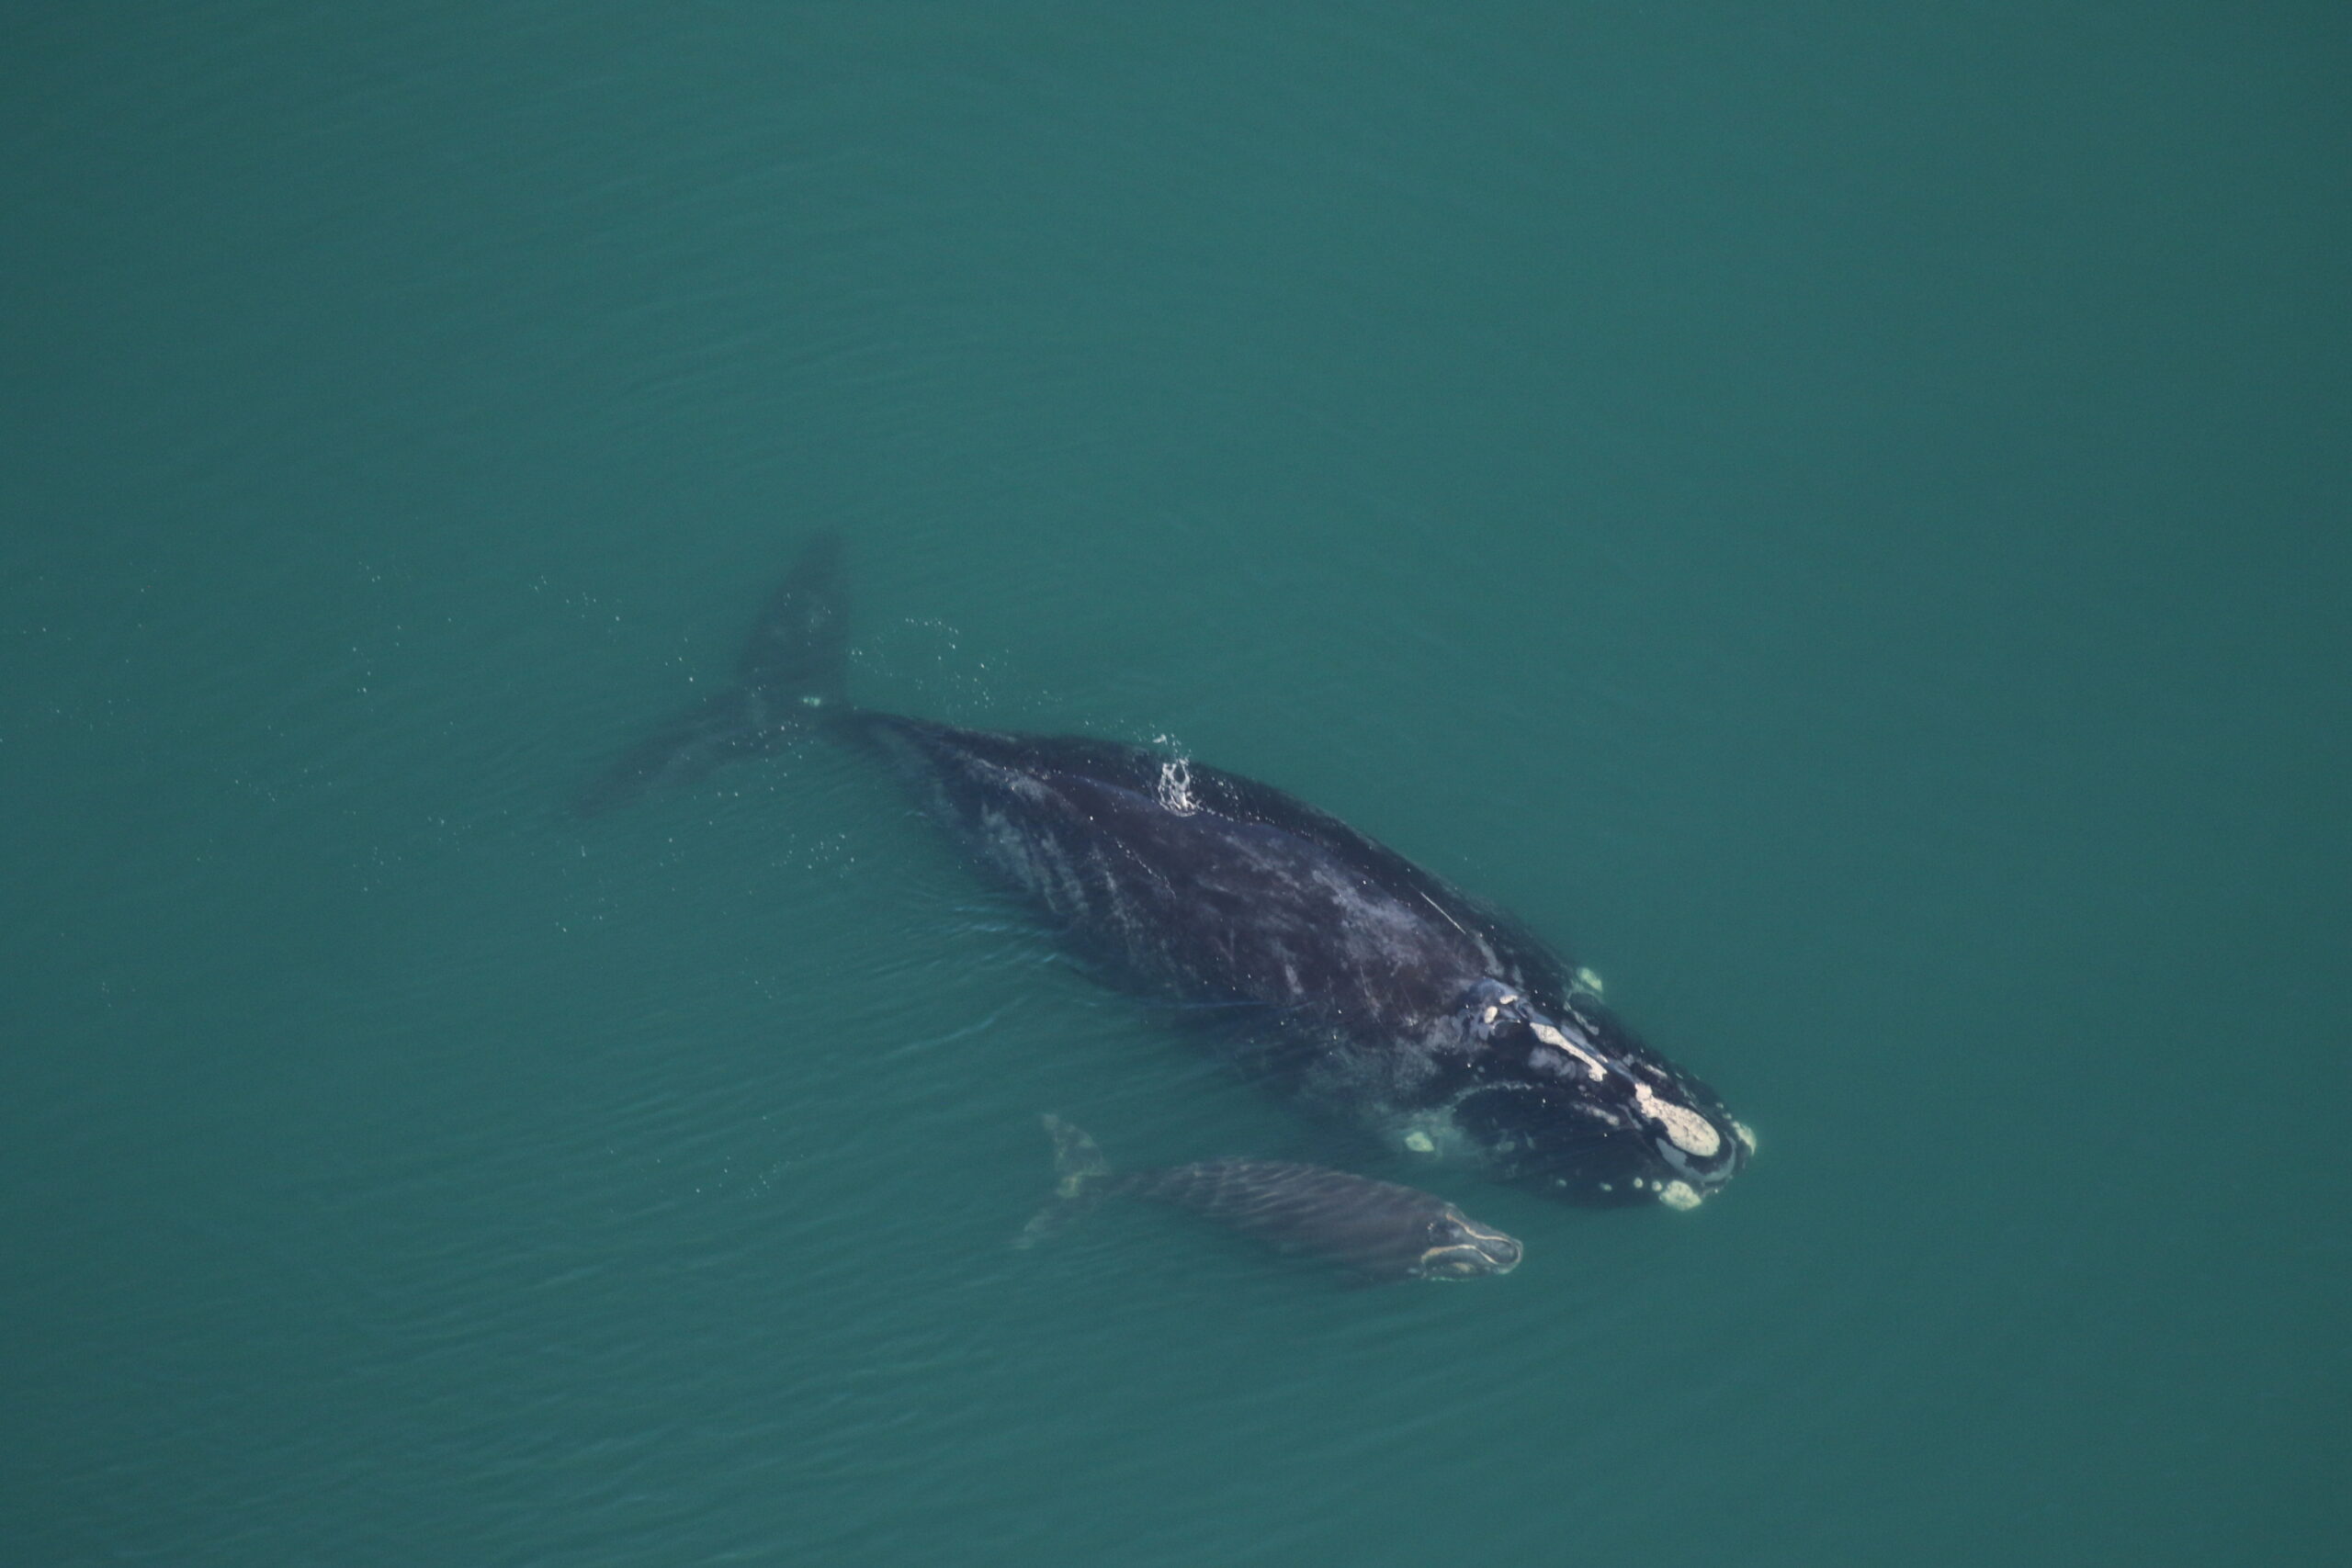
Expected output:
{"points": [[792, 672]]}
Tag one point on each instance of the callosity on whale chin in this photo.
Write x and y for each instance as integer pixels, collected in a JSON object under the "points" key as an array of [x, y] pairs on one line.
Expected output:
{"points": [[1365, 987]]}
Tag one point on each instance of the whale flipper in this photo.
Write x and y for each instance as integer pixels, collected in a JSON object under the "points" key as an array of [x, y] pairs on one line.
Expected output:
{"points": [[792, 668]]}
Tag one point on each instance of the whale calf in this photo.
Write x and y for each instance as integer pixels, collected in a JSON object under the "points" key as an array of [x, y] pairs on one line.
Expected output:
{"points": [[1376, 1230], [1359, 985]]}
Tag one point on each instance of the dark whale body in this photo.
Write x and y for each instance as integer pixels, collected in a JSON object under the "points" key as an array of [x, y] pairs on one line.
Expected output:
{"points": [[1377, 1231], [1352, 979]]}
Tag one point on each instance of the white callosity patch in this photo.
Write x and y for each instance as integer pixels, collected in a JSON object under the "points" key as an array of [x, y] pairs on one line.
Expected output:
{"points": [[1559, 1041], [1679, 1195], [1691, 1133], [1434, 1134], [1745, 1134]]}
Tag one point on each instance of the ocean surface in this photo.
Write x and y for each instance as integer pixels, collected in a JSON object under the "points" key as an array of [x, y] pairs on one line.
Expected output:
{"points": [[1838, 516]]}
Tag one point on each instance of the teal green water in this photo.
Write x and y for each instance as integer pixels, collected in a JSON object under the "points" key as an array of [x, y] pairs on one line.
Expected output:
{"points": [[1837, 513]]}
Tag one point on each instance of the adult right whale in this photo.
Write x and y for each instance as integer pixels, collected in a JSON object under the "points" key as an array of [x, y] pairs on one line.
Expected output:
{"points": [[1363, 987]]}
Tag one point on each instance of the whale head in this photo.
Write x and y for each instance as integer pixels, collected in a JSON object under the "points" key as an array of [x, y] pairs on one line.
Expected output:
{"points": [[1459, 1247], [1567, 1100]]}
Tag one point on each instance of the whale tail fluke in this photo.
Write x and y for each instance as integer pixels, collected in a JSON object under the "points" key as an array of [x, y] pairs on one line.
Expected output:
{"points": [[1079, 1173], [799, 649], [792, 671]]}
